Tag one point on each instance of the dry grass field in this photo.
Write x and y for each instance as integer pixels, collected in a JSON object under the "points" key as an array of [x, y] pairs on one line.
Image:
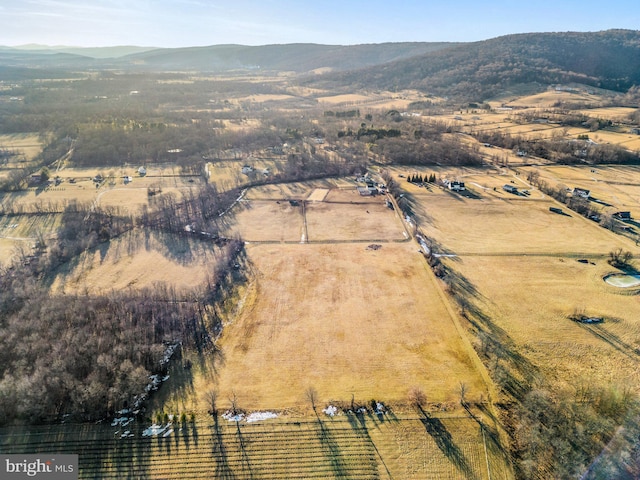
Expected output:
{"points": [[521, 263], [344, 319], [27, 145], [349, 222], [137, 261], [267, 221], [490, 225]]}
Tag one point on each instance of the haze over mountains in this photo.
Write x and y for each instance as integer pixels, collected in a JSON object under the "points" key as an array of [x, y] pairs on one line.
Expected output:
{"points": [[608, 59]]}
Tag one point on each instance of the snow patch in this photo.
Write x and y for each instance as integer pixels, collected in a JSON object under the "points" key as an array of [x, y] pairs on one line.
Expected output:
{"points": [[331, 411], [259, 416], [155, 430]]}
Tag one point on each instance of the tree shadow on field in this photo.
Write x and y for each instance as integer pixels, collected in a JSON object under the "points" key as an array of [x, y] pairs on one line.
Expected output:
{"points": [[511, 370], [331, 449], [359, 425], [612, 339], [219, 452], [245, 463], [443, 439]]}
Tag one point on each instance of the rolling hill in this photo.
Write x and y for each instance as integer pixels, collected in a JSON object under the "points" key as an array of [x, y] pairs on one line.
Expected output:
{"points": [[608, 59]]}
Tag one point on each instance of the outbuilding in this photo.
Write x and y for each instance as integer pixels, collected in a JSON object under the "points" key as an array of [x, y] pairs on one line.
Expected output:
{"points": [[510, 188]]}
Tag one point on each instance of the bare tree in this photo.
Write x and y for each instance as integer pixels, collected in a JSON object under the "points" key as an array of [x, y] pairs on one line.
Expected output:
{"points": [[312, 396], [463, 389], [417, 397], [211, 397]]}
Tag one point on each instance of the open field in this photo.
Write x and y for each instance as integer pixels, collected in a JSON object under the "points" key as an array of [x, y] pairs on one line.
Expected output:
{"points": [[519, 264], [267, 221], [27, 145], [367, 447], [353, 222], [345, 320], [530, 298], [137, 261]]}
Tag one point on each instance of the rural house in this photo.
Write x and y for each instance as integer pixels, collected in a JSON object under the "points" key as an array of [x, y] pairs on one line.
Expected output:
{"points": [[581, 192], [510, 188], [456, 186]]}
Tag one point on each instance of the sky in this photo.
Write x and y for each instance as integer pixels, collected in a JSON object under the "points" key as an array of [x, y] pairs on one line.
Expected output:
{"points": [[183, 23]]}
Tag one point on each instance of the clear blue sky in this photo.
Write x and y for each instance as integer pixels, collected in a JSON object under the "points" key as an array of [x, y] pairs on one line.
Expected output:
{"points": [[177, 23]]}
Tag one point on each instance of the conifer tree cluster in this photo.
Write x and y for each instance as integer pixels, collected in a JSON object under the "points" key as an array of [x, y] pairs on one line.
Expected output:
{"points": [[418, 178]]}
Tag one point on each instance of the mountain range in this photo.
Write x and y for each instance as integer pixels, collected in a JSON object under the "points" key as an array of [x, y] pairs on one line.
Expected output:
{"points": [[608, 59]]}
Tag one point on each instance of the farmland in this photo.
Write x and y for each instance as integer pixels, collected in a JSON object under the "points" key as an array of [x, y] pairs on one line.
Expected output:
{"points": [[259, 238], [357, 446]]}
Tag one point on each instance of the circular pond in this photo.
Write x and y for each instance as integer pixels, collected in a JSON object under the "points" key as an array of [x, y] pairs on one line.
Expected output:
{"points": [[623, 280]]}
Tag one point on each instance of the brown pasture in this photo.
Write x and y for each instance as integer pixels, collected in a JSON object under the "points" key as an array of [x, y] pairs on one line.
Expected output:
{"points": [[501, 223], [28, 145], [266, 221], [520, 264], [531, 298], [346, 320], [353, 222], [137, 261]]}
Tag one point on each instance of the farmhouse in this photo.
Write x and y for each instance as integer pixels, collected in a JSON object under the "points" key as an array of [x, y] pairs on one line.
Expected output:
{"points": [[510, 188], [581, 192], [367, 191], [455, 185], [246, 169]]}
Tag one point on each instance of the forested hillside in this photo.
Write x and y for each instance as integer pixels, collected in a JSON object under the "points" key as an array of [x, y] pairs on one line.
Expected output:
{"points": [[609, 60]]}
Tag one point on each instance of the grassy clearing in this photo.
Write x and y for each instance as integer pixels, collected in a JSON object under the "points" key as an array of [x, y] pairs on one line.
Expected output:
{"points": [[352, 222], [345, 320], [267, 221], [27, 145], [137, 260], [510, 290], [501, 223]]}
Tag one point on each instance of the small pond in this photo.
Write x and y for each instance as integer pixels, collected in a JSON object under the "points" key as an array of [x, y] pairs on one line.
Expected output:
{"points": [[623, 280]]}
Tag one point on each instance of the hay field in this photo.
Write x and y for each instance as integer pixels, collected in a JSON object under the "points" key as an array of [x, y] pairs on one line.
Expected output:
{"points": [[27, 144], [136, 260], [350, 98], [266, 221], [346, 222], [342, 319], [520, 262], [498, 226], [609, 113], [531, 298]]}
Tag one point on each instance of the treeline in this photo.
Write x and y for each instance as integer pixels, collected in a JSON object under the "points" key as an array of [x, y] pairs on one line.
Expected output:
{"points": [[560, 151], [112, 144], [480, 70], [447, 151]]}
